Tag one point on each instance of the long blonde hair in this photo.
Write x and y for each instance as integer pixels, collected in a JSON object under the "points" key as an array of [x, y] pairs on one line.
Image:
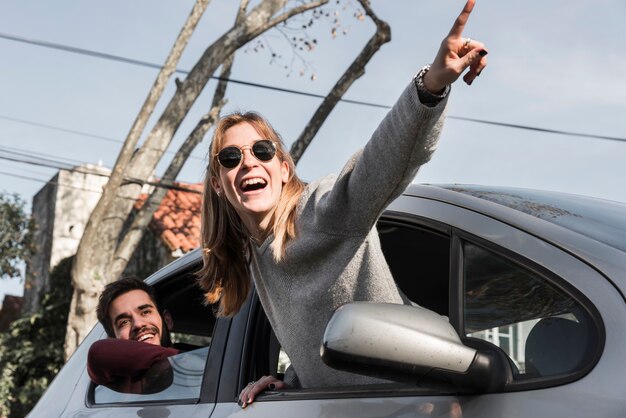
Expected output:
{"points": [[225, 274]]}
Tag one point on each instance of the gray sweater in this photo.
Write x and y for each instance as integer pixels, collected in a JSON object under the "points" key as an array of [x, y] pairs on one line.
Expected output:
{"points": [[336, 257]]}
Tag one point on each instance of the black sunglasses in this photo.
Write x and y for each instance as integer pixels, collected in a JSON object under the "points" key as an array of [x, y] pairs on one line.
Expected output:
{"points": [[263, 150]]}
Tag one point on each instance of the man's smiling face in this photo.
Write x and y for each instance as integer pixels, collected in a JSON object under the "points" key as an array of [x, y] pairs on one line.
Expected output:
{"points": [[135, 317]]}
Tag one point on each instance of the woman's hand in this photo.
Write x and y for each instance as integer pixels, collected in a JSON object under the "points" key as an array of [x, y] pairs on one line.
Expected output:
{"points": [[248, 393], [455, 55]]}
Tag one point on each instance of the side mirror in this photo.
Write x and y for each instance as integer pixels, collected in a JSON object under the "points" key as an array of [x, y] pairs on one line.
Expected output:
{"points": [[409, 344]]}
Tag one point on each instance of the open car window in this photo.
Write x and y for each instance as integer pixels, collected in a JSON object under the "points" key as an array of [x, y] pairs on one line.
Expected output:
{"points": [[405, 246], [180, 377]]}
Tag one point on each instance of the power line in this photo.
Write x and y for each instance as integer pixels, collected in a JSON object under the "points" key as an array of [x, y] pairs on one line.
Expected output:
{"points": [[56, 128], [24, 157], [36, 163], [34, 156], [72, 131], [29, 153], [132, 61], [56, 183], [111, 57], [103, 55], [60, 166], [81, 189], [536, 129], [42, 156], [23, 170], [21, 176]]}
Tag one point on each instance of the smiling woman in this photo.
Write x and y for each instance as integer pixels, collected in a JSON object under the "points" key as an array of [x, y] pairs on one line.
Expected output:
{"points": [[312, 248], [258, 189]]}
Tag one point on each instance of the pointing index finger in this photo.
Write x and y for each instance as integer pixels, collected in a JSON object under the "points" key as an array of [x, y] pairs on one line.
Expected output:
{"points": [[459, 23]]}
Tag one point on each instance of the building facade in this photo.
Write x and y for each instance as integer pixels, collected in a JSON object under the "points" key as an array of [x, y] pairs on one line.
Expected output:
{"points": [[62, 208]]}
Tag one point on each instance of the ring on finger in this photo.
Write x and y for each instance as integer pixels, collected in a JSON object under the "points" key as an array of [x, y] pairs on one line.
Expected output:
{"points": [[467, 42], [251, 383]]}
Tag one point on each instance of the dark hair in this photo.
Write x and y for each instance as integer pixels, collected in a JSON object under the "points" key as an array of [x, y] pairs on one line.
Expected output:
{"points": [[113, 290]]}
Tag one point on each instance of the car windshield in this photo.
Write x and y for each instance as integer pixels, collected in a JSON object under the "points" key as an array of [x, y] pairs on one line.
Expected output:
{"points": [[601, 220]]}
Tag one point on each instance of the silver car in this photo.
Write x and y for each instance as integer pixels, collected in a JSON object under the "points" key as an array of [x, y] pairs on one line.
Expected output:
{"points": [[517, 310]]}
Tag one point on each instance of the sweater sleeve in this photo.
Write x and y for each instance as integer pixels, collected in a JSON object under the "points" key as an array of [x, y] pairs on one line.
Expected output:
{"points": [[374, 176], [113, 359]]}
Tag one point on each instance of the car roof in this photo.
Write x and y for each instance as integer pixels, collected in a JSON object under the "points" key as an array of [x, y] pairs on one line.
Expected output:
{"points": [[591, 229], [187, 263], [598, 219]]}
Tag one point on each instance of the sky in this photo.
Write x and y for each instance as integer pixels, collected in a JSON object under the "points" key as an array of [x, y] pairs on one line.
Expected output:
{"points": [[554, 65]]}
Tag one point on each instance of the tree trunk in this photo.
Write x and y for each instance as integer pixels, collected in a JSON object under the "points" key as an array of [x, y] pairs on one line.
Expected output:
{"points": [[100, 236], [354, 72]]}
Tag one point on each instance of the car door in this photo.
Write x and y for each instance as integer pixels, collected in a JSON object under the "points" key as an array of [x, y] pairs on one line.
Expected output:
{"points": [[192, 390], [513, 286], [496, 283]]}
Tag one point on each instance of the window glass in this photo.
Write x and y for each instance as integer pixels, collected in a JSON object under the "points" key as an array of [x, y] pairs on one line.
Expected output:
{"points": [[543, 330], [187, 342], [283, 362], [179, 378], [419, 260]]}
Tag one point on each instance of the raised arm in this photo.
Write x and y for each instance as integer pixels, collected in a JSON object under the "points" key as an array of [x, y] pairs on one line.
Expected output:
{"points": [[405, 139]]}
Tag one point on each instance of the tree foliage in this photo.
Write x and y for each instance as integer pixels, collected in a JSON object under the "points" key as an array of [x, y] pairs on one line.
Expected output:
{"points": [[15, 235], [31, 352]]}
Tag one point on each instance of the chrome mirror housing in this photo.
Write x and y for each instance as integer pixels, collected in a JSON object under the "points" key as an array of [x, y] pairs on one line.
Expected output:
{"points": [[409, 344]]}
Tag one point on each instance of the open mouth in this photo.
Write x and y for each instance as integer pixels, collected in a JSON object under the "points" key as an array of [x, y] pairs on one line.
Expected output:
{"points": [[252, 184], [145, 334], [145, 337]]}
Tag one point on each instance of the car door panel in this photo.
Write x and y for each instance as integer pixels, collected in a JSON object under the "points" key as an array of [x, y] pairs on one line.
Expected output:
{"points": [[396, 407], [578, 274]]}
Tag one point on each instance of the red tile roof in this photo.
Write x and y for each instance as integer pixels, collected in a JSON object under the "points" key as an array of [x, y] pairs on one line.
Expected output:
{"points": [[177, 220]]}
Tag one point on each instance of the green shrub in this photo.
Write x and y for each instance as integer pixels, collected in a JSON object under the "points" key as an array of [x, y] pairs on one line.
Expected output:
{"points": [[31, 352], [16, 230]]}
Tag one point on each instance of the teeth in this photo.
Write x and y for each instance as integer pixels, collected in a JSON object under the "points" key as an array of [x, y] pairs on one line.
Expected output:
{"points": [[250, 182], [145, 337]]}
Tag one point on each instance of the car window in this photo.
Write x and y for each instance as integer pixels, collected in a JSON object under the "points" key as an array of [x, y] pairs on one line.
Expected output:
{"points": [[419, 260], [405, 247], [183, 381], [541, 327], [179, 377]]}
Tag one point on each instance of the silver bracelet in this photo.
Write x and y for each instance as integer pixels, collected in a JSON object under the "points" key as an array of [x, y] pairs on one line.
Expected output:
{"points": [[421, 88]]}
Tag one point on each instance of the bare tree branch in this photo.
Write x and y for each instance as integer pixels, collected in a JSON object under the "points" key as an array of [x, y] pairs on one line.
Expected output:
{"points": [[142, 219], [125, 155], [354, 72], [294, 11], [161, 135]]}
